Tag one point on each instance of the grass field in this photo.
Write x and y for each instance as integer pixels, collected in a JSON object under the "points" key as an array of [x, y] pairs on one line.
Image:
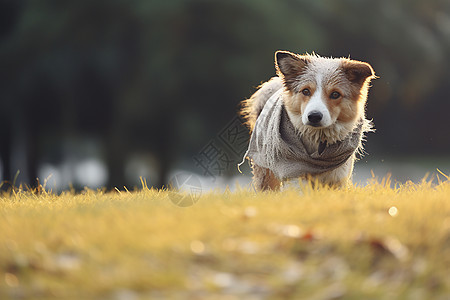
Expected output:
{"points": [[373, 242]]}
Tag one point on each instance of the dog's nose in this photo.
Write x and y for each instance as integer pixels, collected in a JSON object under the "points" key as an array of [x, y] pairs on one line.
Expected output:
{"points": [[315, 117]]}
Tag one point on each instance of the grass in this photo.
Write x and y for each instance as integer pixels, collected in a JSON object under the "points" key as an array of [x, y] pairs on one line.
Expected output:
{"points": [[373, 242]]}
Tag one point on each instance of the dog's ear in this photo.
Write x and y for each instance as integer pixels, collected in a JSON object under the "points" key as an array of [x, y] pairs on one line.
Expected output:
{"points": [[357, 71], [289, 65]]}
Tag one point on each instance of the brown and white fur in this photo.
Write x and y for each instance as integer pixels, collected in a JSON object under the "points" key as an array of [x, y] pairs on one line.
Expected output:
{"points": [[324, 99]]}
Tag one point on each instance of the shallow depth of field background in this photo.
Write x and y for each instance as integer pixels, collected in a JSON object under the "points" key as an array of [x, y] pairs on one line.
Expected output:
{"points": [[100, 93]]}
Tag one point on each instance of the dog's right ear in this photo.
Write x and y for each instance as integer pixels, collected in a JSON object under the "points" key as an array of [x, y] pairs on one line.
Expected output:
{"points": [[289, 66]]}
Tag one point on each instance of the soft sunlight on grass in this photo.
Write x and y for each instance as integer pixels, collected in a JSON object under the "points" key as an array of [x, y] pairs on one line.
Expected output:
{"points": [[373, 242]]}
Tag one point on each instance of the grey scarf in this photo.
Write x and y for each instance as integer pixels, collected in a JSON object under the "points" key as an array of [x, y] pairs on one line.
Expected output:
{"points": [[276, 145]]}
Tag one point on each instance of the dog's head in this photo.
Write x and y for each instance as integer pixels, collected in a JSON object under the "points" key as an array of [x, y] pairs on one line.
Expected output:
{"points": [[323, 91]]}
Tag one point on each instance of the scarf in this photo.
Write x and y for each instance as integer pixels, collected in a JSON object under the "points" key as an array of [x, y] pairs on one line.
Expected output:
{"points": [[275, 144]]}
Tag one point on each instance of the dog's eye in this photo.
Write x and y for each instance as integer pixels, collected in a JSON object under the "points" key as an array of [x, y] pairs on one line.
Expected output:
{"points": [[306, 92], [335, 95]]}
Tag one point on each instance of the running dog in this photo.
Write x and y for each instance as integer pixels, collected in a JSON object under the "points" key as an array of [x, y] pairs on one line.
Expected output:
{"points": [[309, 121]]}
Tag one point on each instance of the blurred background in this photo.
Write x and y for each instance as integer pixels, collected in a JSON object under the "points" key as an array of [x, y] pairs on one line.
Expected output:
{"points": [[103, 92]]}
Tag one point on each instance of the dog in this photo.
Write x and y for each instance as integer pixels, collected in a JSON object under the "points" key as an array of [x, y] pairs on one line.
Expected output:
{"points": [[309, 121]]}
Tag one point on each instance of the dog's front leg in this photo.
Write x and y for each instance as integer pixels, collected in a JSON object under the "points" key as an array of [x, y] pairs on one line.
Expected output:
{"points": [[264, 179]]}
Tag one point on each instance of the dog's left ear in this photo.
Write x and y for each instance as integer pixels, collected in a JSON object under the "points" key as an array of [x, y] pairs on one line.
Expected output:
{"points": [[289, 66], [358, 71]]}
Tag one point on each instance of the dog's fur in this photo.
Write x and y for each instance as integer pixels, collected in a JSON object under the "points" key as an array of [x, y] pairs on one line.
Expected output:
{"points": [[309, 83]]}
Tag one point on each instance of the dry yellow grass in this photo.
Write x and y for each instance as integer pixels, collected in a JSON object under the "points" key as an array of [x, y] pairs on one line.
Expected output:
{"points": [[372, 242]]}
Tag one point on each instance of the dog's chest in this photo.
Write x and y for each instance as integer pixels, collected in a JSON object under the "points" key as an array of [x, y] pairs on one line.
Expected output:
{"points": [[310, 146]]}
